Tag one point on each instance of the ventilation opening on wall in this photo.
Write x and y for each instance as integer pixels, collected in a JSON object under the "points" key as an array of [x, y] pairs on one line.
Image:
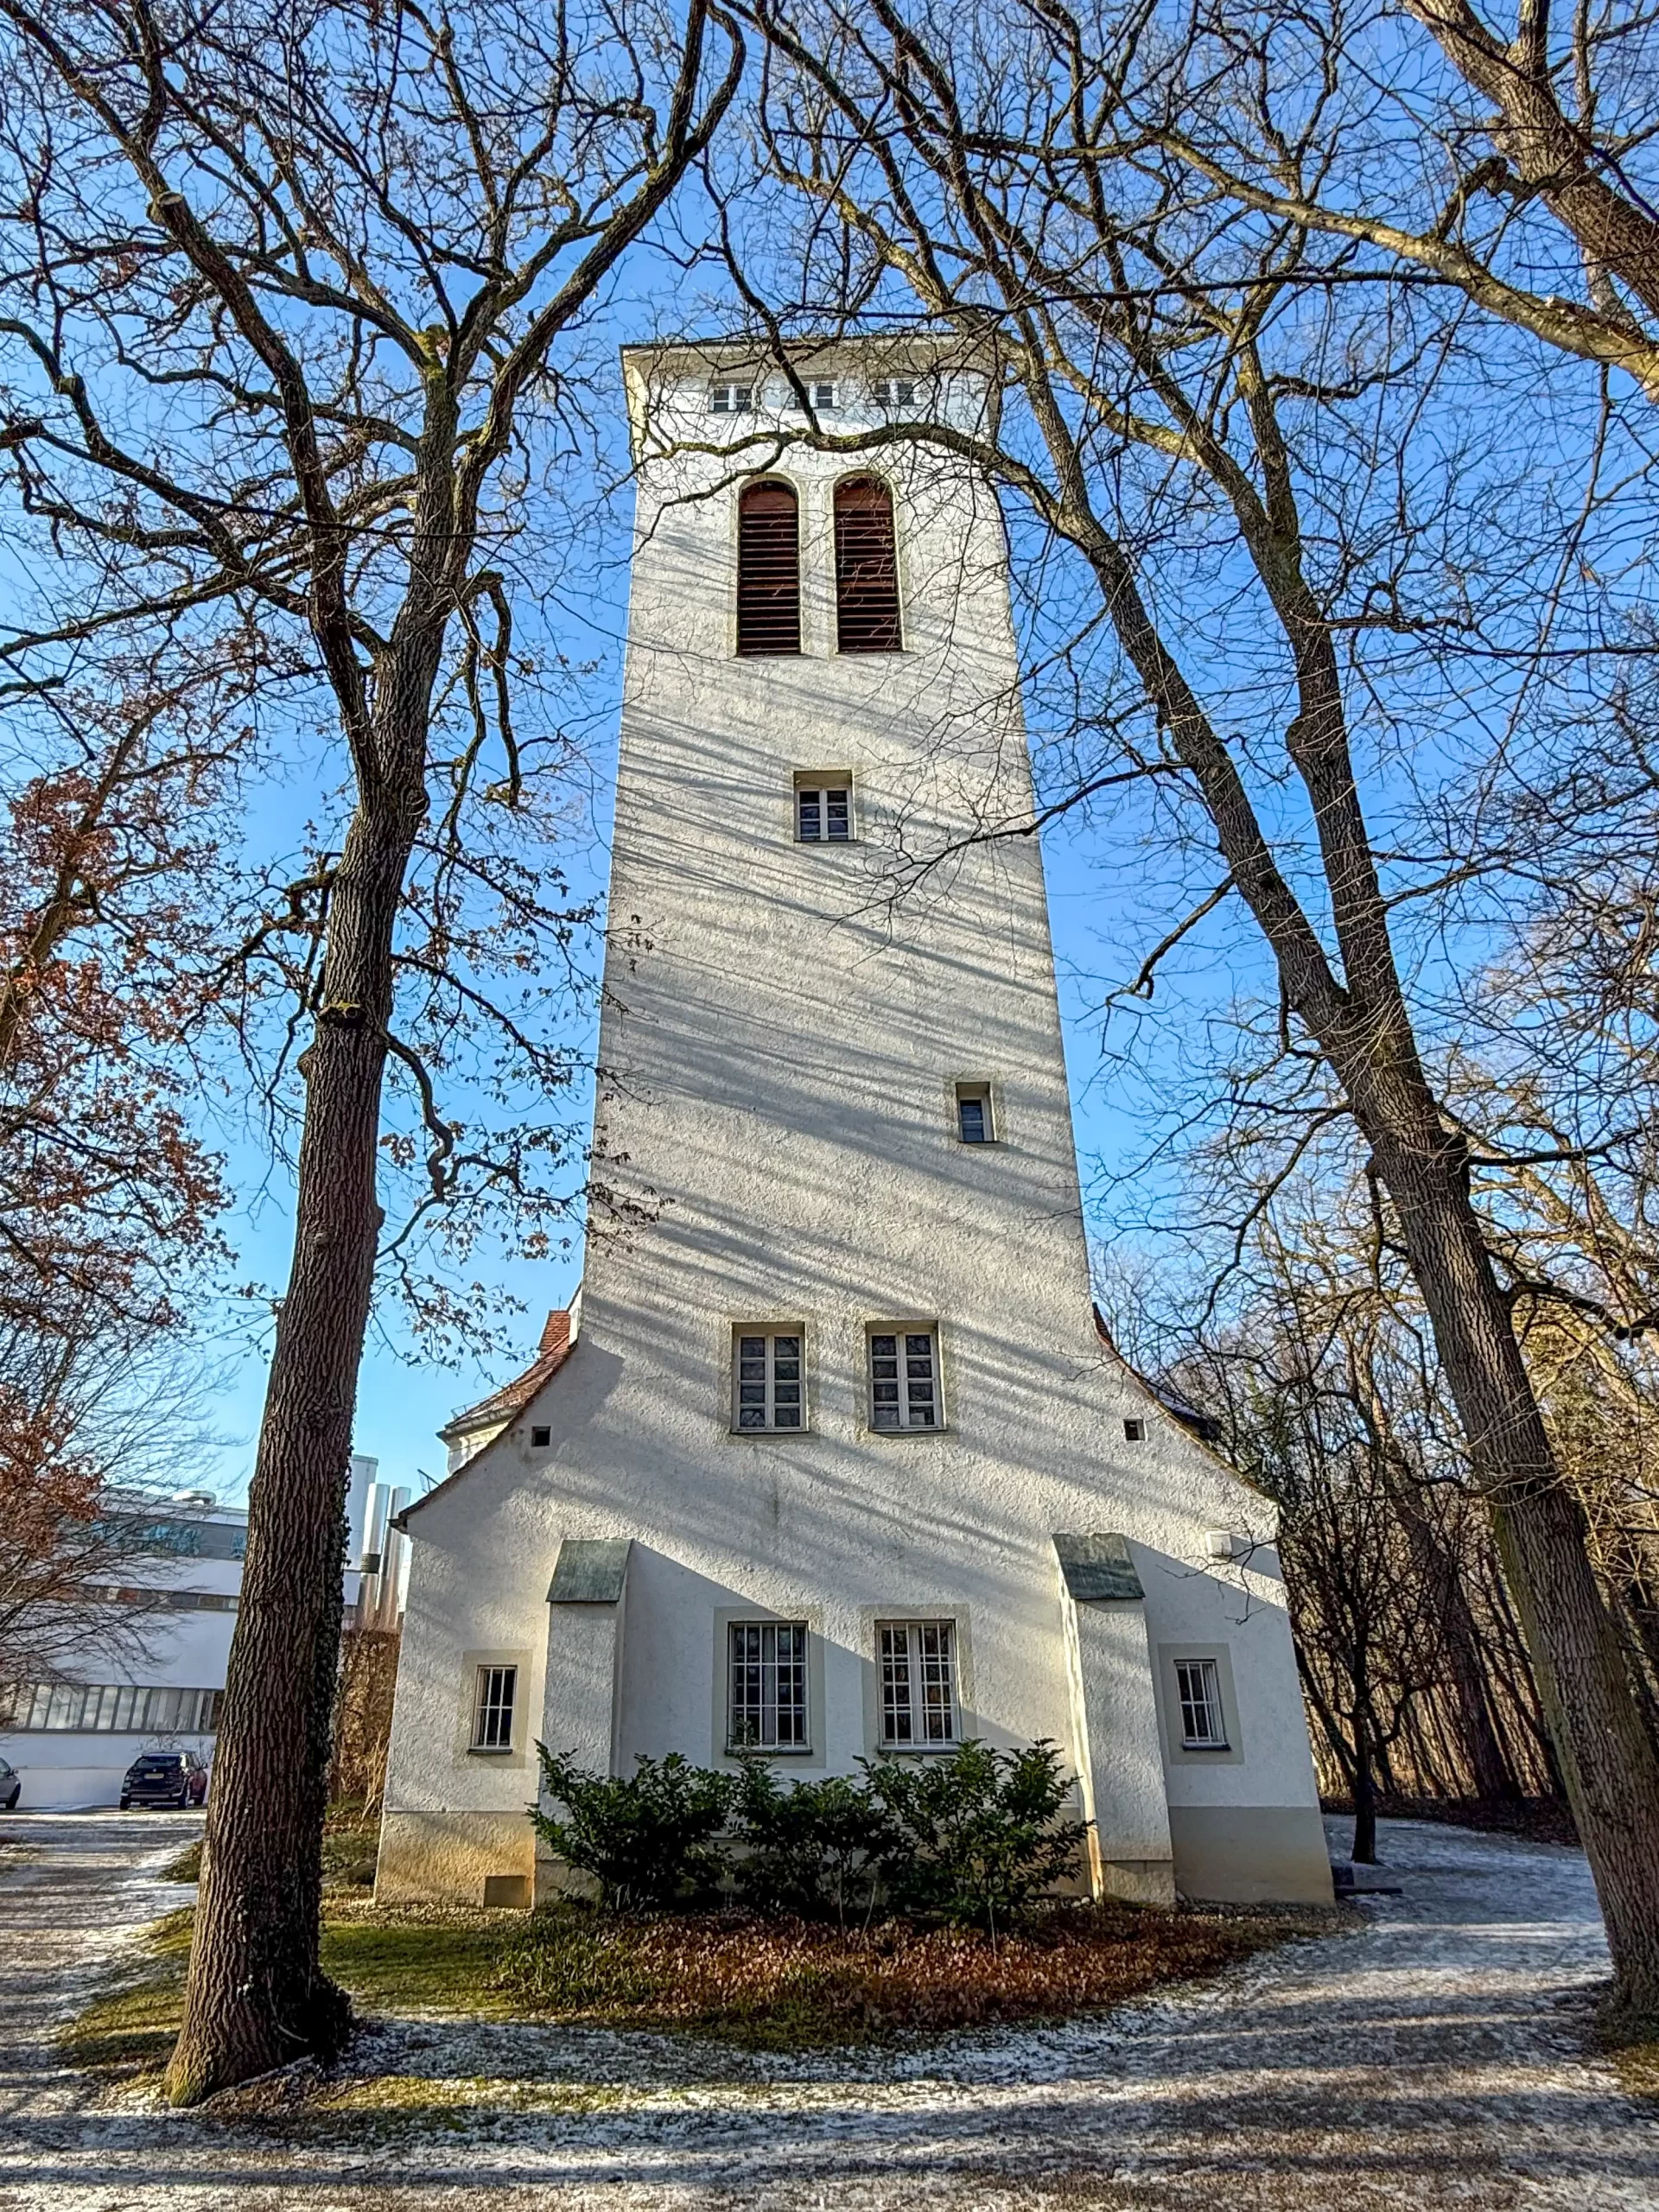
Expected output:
{"points": [[1134, 1432], [867, 568], [768, 571]]}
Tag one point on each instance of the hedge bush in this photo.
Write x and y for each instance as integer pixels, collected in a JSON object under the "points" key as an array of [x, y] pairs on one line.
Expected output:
{"points": [[974, 1838]]}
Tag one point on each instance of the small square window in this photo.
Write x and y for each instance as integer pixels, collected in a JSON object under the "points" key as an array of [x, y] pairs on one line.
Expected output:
{"points": [[768, 1380], [730, 399], [904, 1379], [918, 1663], [975, 1122], [1203, 1725], [824, 811], [1134, 1432], [539, 1438], [496, 1689], [766, 1674]]}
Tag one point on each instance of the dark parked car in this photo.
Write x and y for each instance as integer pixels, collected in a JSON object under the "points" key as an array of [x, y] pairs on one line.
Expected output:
{"points": [[164, 1778], [11, 1787]]}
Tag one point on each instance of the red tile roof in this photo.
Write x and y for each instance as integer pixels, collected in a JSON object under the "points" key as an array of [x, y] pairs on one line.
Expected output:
{"points": [[512, 1398]]}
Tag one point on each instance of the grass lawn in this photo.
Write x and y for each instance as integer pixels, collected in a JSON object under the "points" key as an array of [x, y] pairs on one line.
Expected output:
{"points": [[766, 1985]]}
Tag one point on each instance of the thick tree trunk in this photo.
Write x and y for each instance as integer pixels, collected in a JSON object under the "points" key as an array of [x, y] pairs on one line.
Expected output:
{"points": [[257, 1996], [1606, 1756]]}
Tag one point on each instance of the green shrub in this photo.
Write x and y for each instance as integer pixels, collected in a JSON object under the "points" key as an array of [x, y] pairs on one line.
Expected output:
{"points": [[644, 1839], [812, 1848], [978, 1836]]}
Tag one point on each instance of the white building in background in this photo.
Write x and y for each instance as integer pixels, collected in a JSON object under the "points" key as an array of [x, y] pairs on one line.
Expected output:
{"points": [[72, 1740], [836, 1461]]}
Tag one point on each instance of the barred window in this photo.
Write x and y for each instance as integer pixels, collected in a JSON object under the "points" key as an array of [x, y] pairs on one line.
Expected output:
{"points": [[112, 1709], [768, 1385], [766, 1672], [867, 568], [1203, 1725], [904, 1380], [824, 813], [918, 1685], [769, 570], [497, 1688]]}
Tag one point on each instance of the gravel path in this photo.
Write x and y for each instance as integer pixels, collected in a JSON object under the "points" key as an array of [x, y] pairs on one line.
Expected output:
{"points": [[1434, 2058]]}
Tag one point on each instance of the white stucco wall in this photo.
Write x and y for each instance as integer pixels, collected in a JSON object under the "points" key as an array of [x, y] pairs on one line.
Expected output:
{"points": [[780, 1046]]}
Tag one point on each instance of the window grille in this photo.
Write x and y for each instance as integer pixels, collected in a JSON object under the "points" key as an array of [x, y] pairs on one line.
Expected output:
{"points": [[730, 399], [823, 814], [867, 569], [893, 392], [974, 1124], [1204, 1726], [769, 570], [770, 1385], [766, 1701], [904, 1380], [112, 1709], [492, 1708], [918, 1685]]}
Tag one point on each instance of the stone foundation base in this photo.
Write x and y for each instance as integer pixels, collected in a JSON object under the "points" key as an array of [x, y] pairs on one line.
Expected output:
{"points": [[455, 1858], [1250, 1854], [1139, 1881]]}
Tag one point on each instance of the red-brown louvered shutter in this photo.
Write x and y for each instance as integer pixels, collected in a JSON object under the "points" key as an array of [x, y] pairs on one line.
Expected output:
{"points": [[769, 570], [867, 572]]}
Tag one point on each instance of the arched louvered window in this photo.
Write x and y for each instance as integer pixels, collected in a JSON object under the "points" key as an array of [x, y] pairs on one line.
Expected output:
{"points": [[867, 570], [769, 570]]}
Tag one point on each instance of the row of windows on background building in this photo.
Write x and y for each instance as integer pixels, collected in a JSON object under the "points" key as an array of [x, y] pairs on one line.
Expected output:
{"points": [[767, 1708], [114, 1709], [740, 396], [769, 569]]}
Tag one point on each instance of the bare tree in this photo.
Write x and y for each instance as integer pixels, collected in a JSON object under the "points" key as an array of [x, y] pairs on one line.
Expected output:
{"points": [[1154, 379], [287, 293]]}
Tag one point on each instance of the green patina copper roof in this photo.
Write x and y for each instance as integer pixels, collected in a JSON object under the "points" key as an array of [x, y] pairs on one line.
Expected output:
{"points": [[589, 1570], [1097, 1566]]}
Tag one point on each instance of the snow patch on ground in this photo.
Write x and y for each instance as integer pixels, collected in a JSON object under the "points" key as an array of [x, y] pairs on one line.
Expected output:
{"points": [[1435, 2057]]}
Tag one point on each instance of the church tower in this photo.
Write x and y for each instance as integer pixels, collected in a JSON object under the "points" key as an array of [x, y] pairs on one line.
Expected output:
{"points": [[834, 1461]]}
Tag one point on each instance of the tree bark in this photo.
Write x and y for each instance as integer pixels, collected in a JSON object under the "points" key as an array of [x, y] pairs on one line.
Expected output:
{"points": [[1489, 1767], [257, 1997], [1365, 1849], [1607, 1758]]}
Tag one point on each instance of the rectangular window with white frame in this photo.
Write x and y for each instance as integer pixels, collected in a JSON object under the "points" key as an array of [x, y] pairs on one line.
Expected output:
{"points": [[976, 1122], [1204, 1719], [730, 399], [768, 1380], [824, 808], [765, 1704], [496, 1690], [918, 1663], [820, 390], [904, 1379]]}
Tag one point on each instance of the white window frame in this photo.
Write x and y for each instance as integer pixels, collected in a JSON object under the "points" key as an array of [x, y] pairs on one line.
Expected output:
{"points": [[752, 1649], [495, 1700], [824, 786], [915, 1658], [771, 1334], [1202, 1706], [905, 1402], [894, 391], [731, 397], [969, 1091], [823, 391]]}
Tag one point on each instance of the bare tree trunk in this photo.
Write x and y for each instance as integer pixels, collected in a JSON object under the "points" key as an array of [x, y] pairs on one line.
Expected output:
{"points": [[1606, 1755], [257, 1996], [1364, 1851], [1489, 1767]]}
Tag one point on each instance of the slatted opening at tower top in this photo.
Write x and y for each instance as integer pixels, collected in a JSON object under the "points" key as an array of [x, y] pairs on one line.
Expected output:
{"points": [[867, 570], [769, 570]]}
